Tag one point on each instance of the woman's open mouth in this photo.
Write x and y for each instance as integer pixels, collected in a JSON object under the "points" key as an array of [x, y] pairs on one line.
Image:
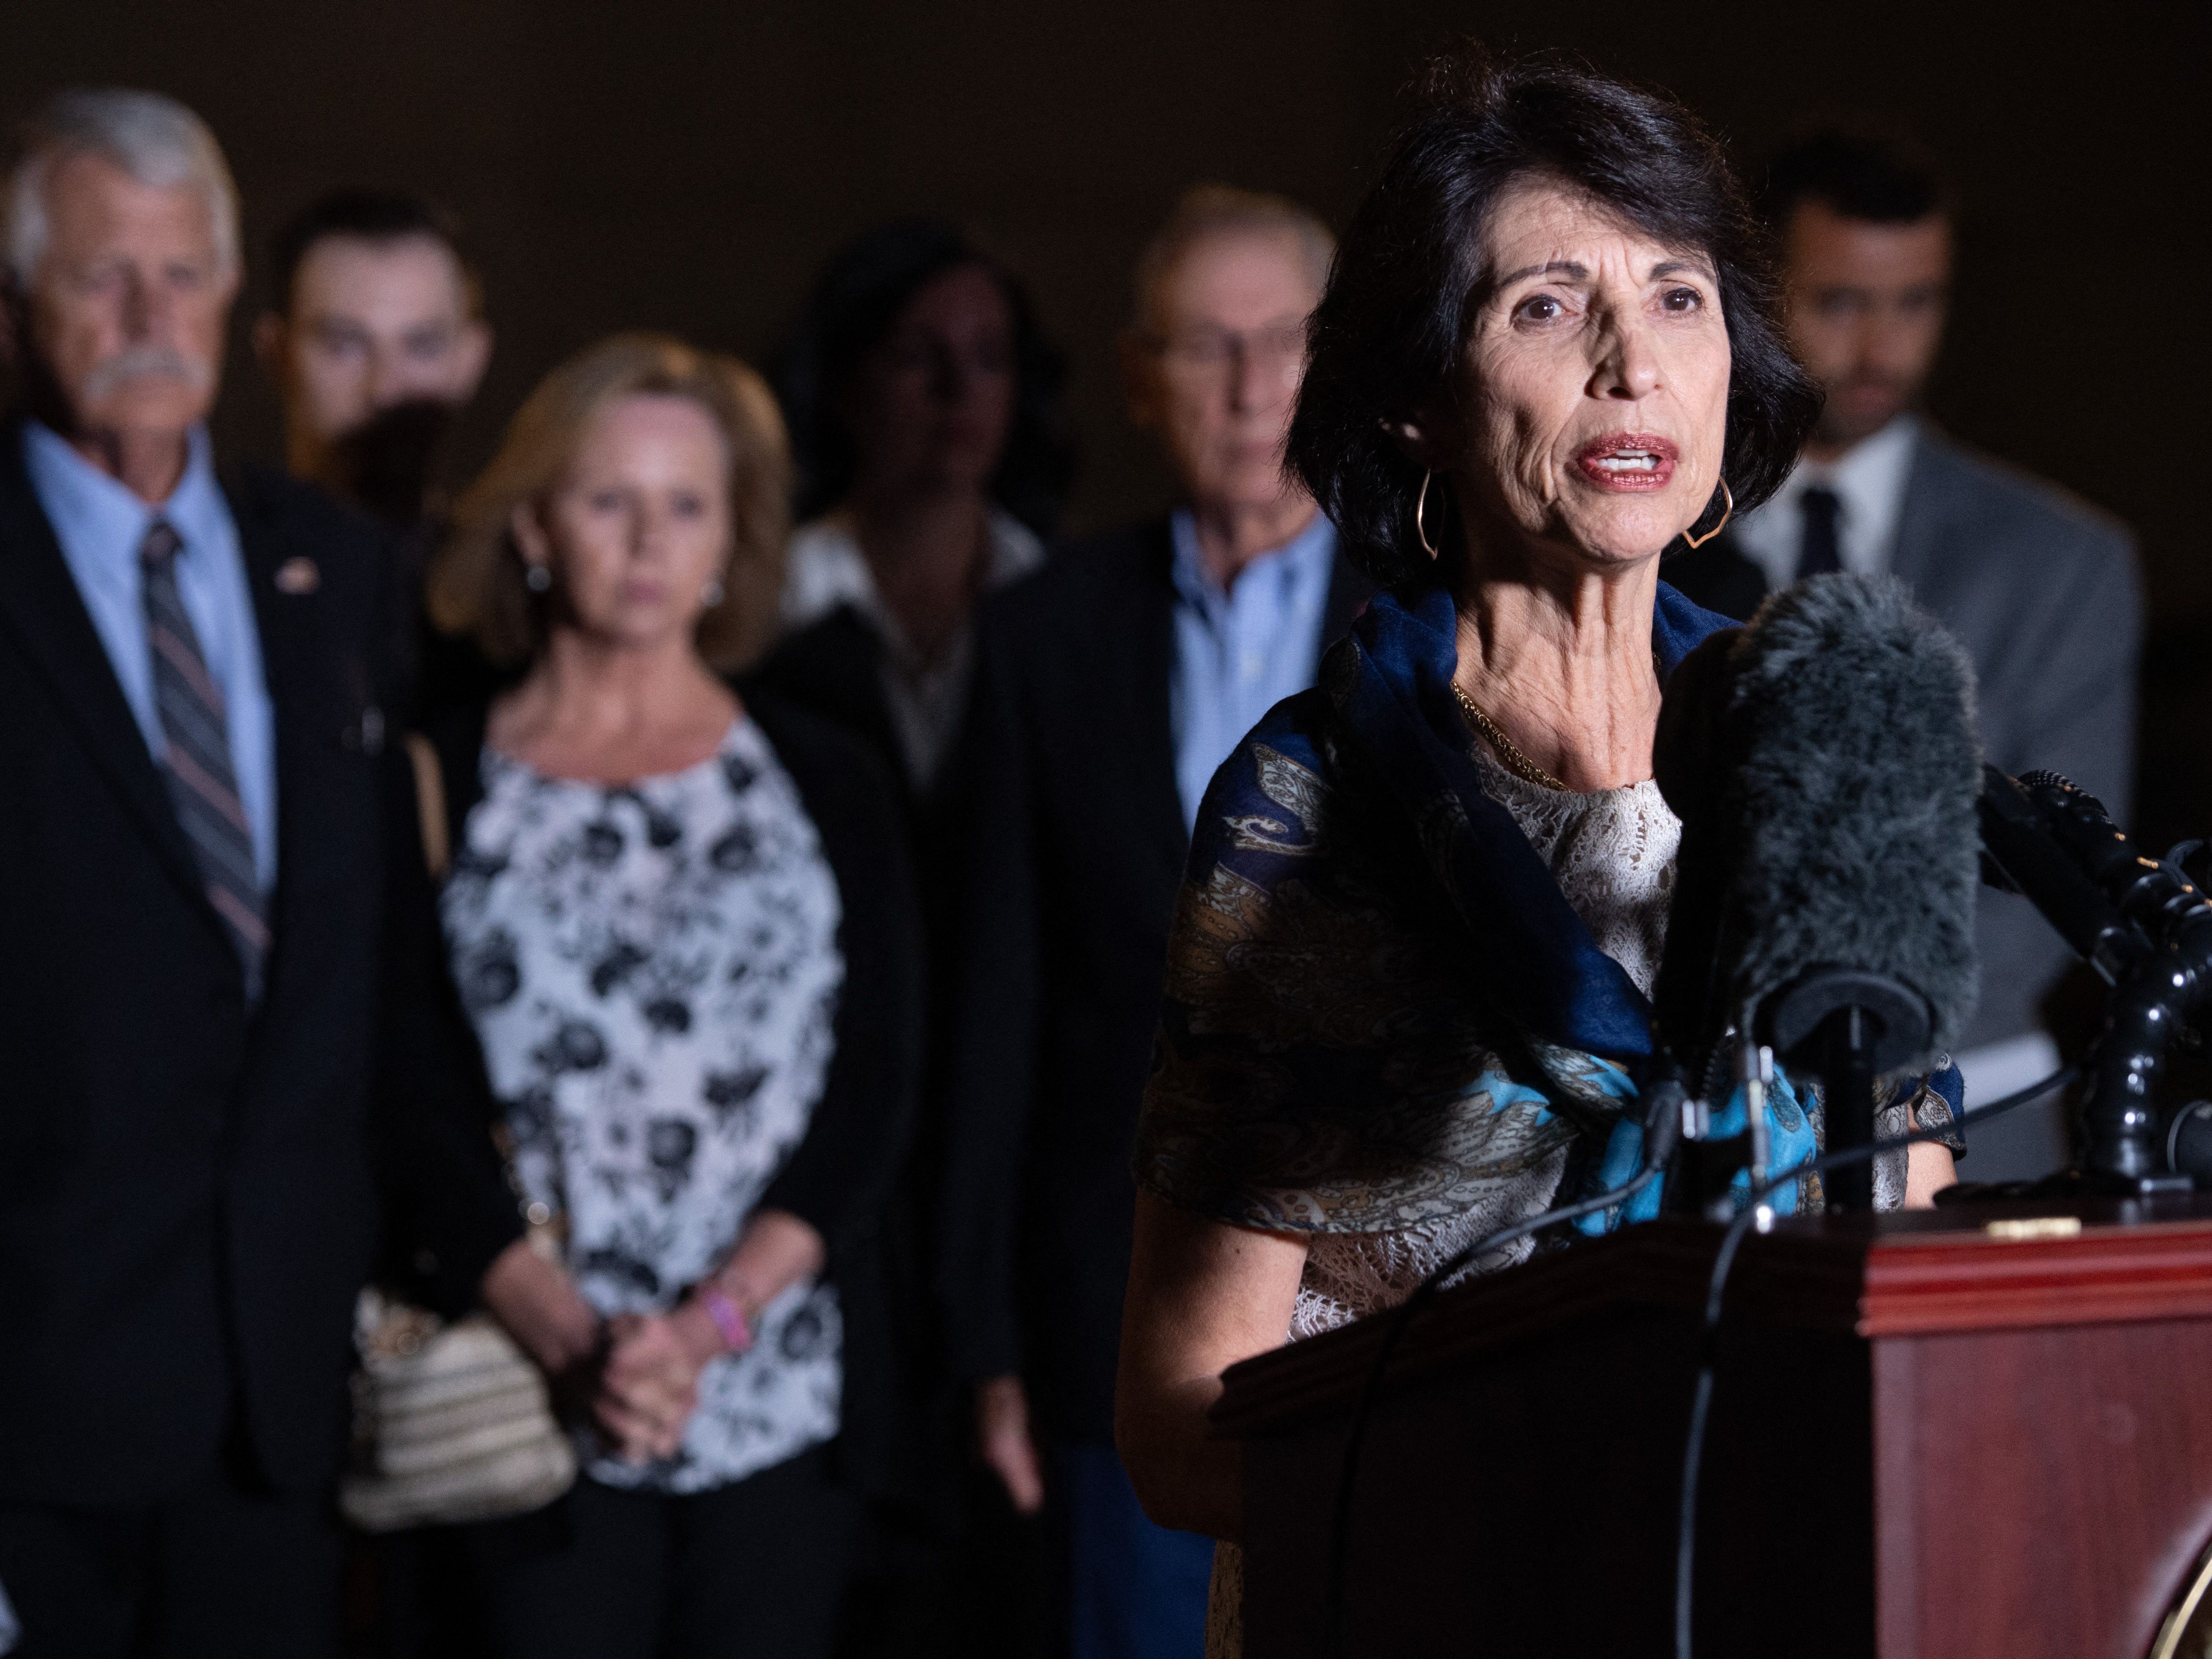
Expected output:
{"points": [[1629, 461]]}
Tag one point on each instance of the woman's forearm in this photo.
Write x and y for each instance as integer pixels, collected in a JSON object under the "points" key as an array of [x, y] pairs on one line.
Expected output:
{"points": [[536, 1301], [1929, 1168], [1186, 1479], [775, 1252], [1202, 1296]]}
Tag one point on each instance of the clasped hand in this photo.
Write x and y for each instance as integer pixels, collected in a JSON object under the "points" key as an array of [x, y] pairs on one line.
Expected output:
{"points": [[640, 1372], [648, 1381]]}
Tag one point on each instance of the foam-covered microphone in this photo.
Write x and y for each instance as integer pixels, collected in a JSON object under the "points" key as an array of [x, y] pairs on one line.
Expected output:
{"points": [[1824, 761]]}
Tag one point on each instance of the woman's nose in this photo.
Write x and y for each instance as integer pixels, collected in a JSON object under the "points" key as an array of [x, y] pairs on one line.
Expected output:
{"points": [[648, 521], [1628, 368], [951, 379]]}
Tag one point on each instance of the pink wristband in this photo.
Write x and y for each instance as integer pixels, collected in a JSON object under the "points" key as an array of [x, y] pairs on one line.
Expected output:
{"points": [[730, 1319]]}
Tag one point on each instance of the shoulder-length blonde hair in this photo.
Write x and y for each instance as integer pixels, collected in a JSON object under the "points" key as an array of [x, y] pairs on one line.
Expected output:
{"points": [[477, 585]]}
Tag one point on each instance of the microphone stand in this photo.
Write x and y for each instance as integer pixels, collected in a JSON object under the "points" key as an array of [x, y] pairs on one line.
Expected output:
{"points": [[1847, 1026], [1845, 1052], [2146, 929]]}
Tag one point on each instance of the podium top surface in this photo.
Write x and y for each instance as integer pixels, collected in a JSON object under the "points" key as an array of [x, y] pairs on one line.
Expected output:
{"points": [[1975, 1267]]}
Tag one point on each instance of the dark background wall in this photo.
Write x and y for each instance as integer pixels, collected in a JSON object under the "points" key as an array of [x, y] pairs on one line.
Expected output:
{"points": [[684, 164]]}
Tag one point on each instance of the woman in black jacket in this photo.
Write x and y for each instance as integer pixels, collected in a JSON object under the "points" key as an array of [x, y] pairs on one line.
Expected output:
{"points": [[682, 927], [923, 399]]}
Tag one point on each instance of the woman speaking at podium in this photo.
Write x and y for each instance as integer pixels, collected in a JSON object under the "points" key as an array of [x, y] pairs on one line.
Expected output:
{"points": [[1426, 900]]}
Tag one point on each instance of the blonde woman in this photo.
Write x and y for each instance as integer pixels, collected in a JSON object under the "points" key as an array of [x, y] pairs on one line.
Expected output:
{"points": [[682, 927]]}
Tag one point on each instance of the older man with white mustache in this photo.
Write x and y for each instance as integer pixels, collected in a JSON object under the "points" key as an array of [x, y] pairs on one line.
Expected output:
{"points": [[208, 934]]}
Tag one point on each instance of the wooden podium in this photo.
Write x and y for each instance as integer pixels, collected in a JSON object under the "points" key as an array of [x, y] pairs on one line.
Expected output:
{"points": [[1932, 1437]]}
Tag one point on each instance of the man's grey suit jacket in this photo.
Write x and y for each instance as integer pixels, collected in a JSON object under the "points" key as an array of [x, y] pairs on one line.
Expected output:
{"points": [[2043, 591]]}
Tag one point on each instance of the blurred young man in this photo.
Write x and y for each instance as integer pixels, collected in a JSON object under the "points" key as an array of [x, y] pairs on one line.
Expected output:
{"points": [[1111, 685], [2041, 588], [376, 338], [375, 341]]}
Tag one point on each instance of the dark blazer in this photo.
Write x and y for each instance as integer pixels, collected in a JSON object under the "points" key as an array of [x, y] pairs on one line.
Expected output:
{"points": [[838, 1174], [1074, 847], [189, 1191], [835, 667]]}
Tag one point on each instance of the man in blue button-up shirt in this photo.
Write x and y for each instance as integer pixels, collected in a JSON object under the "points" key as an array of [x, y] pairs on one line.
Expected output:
{"points": [[1111, 685], [1212, 366]]}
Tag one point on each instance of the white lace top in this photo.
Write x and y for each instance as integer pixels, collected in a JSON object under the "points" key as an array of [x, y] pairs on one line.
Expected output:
{"points": [[1613, 853]]}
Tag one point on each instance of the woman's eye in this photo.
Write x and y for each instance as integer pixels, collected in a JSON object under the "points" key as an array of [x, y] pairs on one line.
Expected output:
{"points": [[687, 506], [1538, 308], [1682, 299], [604, 501]]}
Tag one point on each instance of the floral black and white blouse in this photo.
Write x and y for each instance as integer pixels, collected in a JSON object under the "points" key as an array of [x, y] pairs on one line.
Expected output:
{"points": [[652, 971]]}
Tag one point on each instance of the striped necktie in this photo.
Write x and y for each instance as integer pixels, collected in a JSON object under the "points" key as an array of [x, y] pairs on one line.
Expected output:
{"points": [[202, 787]]}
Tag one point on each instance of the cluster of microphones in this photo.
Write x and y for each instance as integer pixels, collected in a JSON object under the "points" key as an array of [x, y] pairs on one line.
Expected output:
{"points": [[1838, 821]]}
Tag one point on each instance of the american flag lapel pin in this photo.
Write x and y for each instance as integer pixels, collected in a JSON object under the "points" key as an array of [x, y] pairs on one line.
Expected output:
{"points": [[298, 576]]}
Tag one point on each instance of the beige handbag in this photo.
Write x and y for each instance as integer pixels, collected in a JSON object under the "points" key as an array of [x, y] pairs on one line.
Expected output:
{"points": [[452, 1422]]}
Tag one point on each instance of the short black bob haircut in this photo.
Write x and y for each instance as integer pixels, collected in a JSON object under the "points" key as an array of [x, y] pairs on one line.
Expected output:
{"points": [[368, 215], [856, 300], [1386, 339], [1863, 167]]}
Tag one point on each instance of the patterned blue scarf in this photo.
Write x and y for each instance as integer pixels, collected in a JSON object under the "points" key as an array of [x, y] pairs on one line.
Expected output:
{"points": [[1533, 953]]}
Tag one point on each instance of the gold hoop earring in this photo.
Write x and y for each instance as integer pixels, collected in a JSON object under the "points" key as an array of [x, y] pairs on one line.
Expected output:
{"points": [[1420, 502], [1728, 513]]}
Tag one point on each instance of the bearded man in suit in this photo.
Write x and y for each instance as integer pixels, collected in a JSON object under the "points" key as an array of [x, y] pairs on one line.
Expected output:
{"points": [[2041, 588], [216, 944]]}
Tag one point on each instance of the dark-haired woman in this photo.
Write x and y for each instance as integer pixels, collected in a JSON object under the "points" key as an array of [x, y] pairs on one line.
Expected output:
{"points": [[920, 395], [921, 400], [1406, 996]]}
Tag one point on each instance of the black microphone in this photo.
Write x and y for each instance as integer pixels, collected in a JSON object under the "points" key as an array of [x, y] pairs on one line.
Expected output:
{"points": [[2142, 924], [1824, 765]]}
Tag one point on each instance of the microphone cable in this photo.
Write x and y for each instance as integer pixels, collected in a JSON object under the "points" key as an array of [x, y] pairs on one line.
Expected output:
{"points": [[1701, 1401]]}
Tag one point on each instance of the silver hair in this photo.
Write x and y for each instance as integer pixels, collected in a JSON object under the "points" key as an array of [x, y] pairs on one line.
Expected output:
{"points": [[155, 139]]}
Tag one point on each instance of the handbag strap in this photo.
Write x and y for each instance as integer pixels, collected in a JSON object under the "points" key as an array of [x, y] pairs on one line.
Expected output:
{"points": [[430, 804]]}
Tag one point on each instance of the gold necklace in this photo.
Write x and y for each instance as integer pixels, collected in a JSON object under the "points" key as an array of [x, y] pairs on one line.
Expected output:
{"points": [[1507, 752]]}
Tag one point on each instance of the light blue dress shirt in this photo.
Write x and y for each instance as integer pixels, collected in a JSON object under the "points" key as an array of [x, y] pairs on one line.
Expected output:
{"points": [[101, 525], [1238, 653]]}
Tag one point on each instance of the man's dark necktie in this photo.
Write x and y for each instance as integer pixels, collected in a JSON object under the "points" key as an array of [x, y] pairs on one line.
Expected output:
{"points": [[202, 787], [1818, 550]]}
